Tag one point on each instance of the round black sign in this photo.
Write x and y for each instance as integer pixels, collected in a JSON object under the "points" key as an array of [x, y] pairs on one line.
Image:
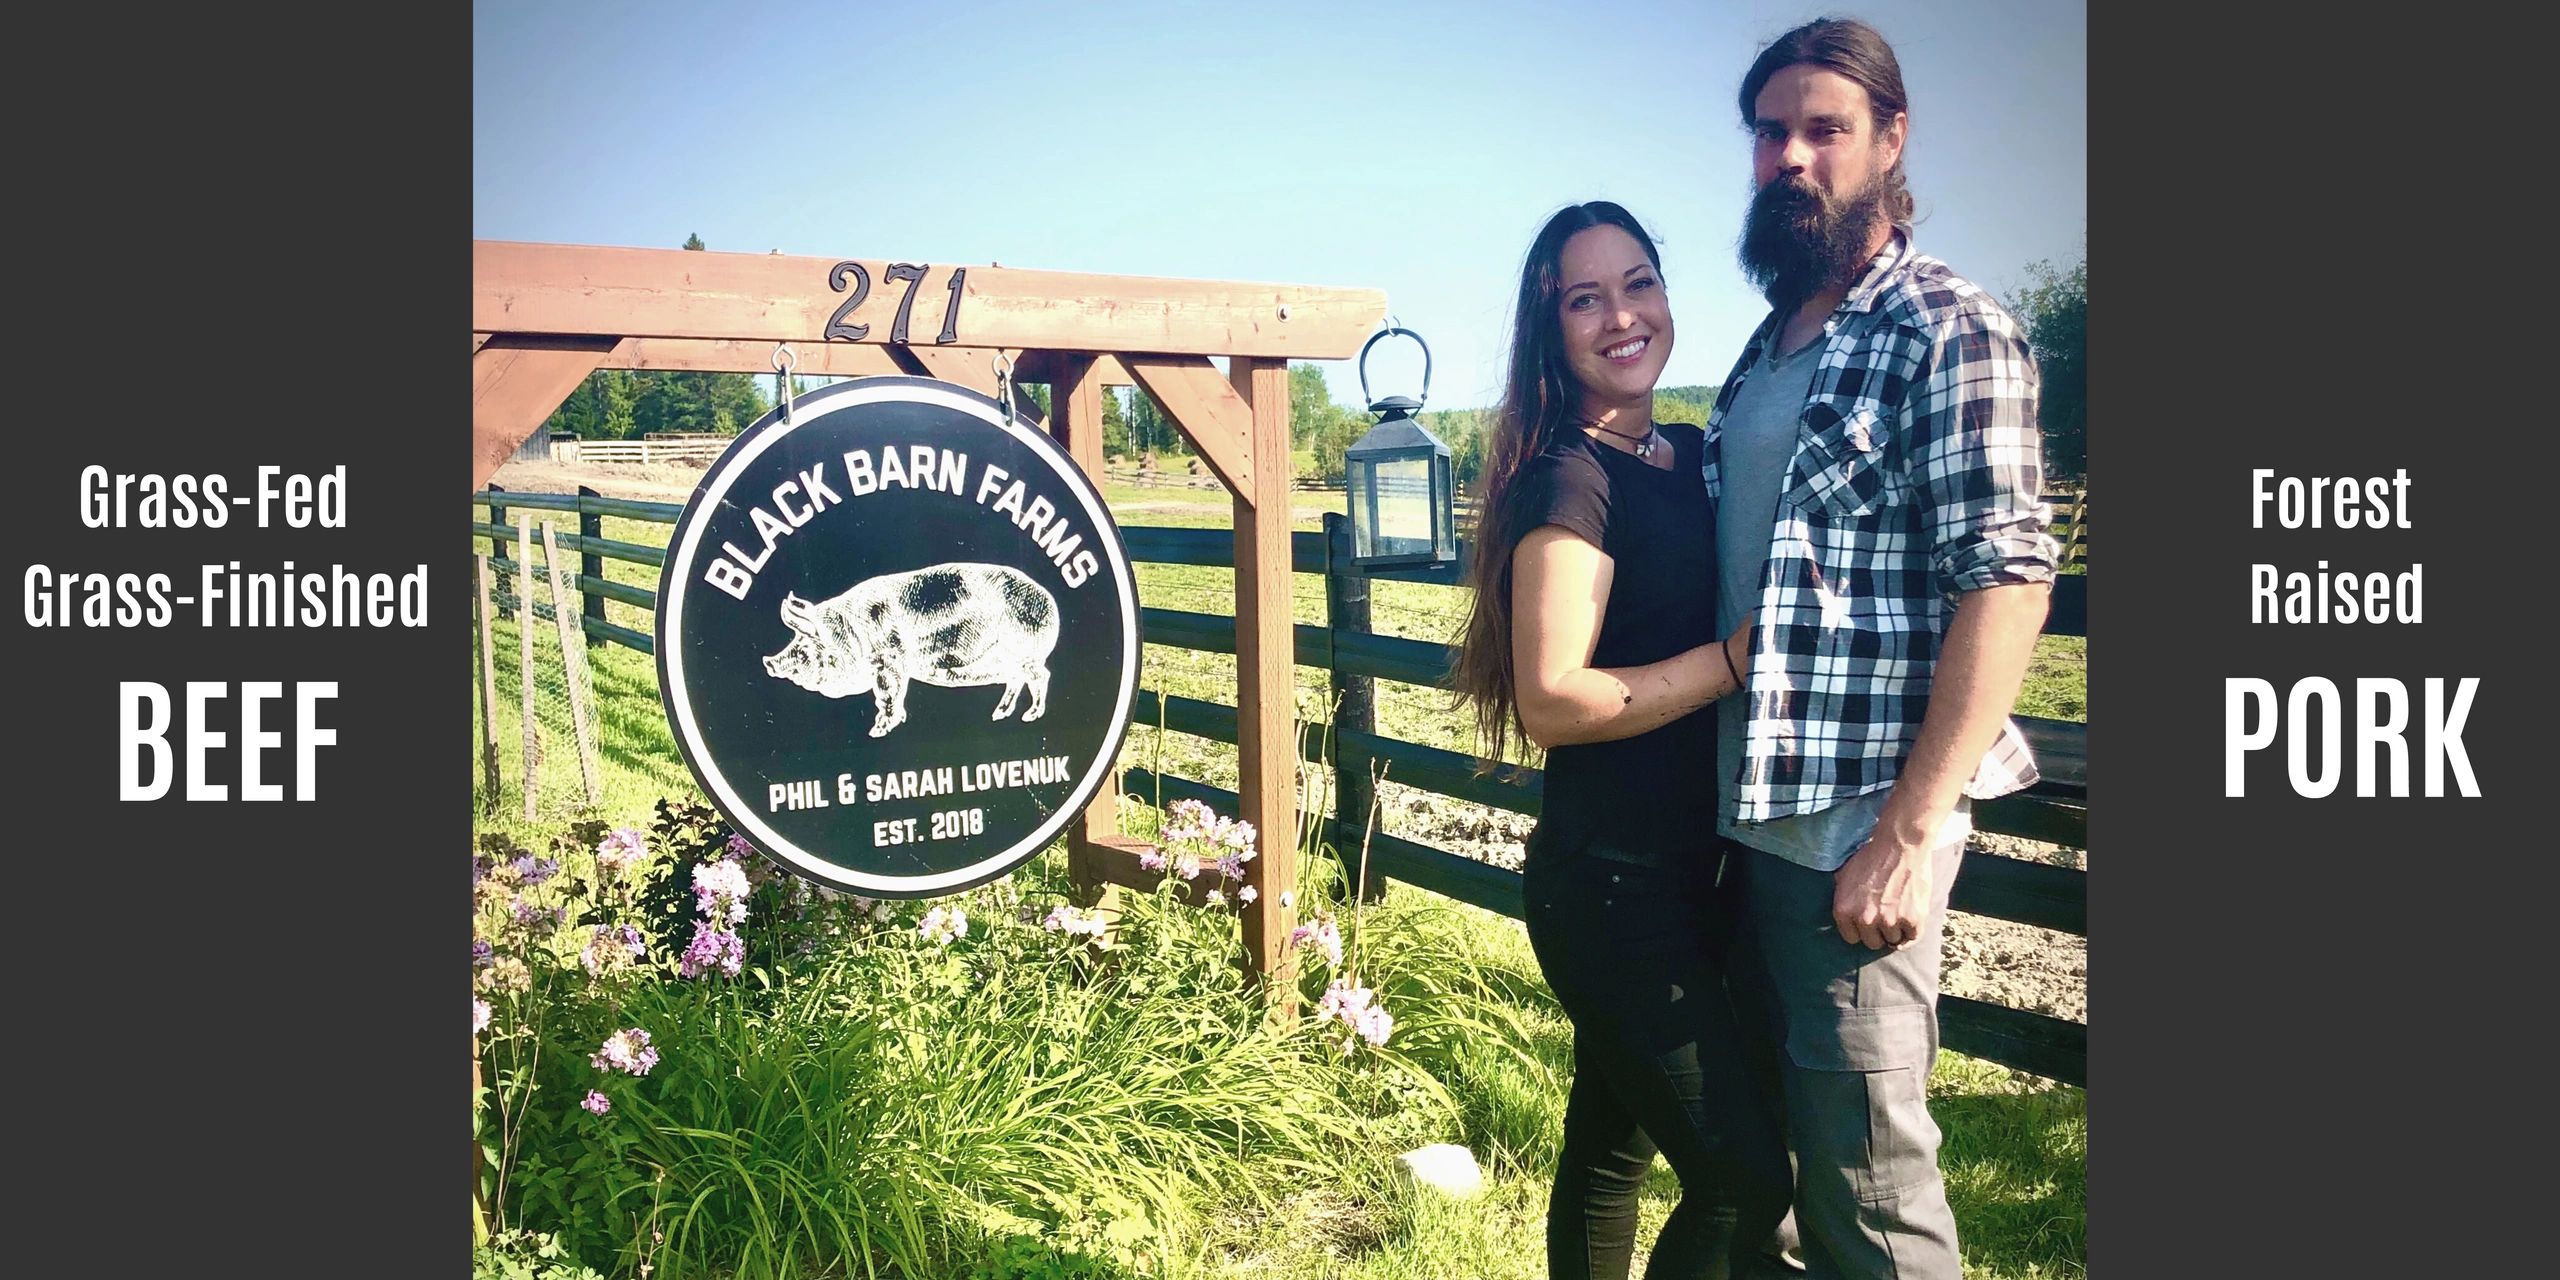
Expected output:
{"points": [[897, 637]]}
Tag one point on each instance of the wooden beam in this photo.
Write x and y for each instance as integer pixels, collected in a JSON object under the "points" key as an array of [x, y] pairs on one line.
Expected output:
{"points": [[516, 383], [1209, 413], [1267, 754], [717, 355], [1075, 420], [676, 293]]}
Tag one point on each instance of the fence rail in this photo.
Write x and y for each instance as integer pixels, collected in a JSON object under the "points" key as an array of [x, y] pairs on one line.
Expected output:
{"points": [[2034, 893], [698, 450]]}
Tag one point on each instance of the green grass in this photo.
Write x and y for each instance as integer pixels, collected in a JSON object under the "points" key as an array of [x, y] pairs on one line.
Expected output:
{"points": [[970, 1172], [2057, 685]]}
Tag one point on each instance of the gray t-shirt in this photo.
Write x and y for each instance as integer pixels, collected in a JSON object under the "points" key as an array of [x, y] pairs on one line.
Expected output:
{"points": [[1759, 440]]}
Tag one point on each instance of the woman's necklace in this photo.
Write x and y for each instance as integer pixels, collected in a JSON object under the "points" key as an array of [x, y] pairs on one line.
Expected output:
{"points": [[1643, 444]]}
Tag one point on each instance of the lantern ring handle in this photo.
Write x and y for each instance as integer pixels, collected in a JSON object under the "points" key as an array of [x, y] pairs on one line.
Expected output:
{"points": [[1391, 329]]}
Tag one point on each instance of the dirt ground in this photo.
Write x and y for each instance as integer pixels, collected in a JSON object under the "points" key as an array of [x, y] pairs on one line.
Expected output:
{"points": [[1998, 961], [1993, 960], [655, 482]]}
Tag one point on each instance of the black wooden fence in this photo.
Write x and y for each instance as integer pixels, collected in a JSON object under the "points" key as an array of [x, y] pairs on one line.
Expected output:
{"points": [[2054, 811]]}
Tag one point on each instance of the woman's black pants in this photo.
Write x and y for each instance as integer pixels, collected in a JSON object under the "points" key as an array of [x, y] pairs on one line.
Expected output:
{"points": [[1632, 943]]}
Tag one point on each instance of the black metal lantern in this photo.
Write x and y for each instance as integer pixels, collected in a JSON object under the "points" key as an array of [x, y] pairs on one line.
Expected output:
{"points": [[1398, 478]]}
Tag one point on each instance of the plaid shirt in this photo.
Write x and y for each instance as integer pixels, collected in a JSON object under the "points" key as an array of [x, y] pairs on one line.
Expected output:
{"points": [[1916, 476]]}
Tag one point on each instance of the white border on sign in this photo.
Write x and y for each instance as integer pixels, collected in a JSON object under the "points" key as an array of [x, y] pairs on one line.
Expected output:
{"points": [[678, 580]]}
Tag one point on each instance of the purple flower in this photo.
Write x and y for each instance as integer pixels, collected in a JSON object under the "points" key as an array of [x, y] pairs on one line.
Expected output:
{"points": [[1358, 1009], [738, 846], [619, 849], [720, 891], [612, 947], [596, 1102], [1321, 933], [1344, 1001], [626, 1050], [943, 924], [1075, 922], [482, 954], [534, 871], [713, 948], [1152, 859]]}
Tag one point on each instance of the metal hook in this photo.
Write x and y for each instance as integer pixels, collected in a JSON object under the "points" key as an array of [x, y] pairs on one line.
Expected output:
{"points": [[1003, 367], [784, 361]]}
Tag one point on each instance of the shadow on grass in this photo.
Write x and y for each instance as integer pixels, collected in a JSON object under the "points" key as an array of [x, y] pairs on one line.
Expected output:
{"points": [[2016, 1165], [2015, 1156]]}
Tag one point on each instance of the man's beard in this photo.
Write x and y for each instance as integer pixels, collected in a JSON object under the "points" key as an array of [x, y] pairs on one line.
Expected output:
{"points": [[1796, 242]]}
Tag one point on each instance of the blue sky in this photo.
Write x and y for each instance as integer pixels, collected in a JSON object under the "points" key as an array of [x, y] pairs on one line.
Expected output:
{"points": [[1412, 148]]}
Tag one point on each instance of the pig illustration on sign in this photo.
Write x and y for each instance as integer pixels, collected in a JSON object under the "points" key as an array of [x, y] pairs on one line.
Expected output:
{"points": [[953, 625]]}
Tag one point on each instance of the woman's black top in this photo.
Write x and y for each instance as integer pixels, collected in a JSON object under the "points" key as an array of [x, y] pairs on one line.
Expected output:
{"points": [[1654, 792]]}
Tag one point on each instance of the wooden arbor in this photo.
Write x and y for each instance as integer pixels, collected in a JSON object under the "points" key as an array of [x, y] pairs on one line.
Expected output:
{"points": [[543, 317]]}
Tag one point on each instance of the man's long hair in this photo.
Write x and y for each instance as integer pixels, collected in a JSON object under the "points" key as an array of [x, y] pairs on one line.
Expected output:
{"points": [[1856, 52], [1539, 400]]}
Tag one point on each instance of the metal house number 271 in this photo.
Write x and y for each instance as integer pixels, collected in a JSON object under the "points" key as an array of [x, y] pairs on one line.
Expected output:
{"points": [[909, 272]]}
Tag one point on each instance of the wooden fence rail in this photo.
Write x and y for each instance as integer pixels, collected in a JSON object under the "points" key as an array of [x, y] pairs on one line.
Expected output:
{"points": [[2035, 893]]}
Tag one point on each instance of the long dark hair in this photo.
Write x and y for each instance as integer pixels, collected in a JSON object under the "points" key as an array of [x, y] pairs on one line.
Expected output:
{"points": [[1540, 397], [1857, 52]]}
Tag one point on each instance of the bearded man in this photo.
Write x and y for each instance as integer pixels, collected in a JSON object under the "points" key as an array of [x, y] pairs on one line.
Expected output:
{"points": [[1876, 466]]}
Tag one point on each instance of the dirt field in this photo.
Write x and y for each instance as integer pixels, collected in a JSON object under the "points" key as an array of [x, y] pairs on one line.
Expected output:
{"points": [[657, 482]]}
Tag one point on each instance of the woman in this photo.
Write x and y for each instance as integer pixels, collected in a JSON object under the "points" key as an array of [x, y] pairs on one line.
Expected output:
{"points": [[1593, 632]]}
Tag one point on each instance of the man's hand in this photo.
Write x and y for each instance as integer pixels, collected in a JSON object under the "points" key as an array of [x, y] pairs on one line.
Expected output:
{"points": [[1881, 896]]}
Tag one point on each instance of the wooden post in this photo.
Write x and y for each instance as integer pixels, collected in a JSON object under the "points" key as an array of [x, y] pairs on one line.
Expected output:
{"points": [[524, 670], [590, 565], [488, 691], [1075, 420], [573, 667], [498, 541], [1346, 609], [1265, 659]]}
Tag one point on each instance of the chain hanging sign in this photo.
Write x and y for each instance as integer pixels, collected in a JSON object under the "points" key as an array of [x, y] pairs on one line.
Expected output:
{"points": [[897, 637]]}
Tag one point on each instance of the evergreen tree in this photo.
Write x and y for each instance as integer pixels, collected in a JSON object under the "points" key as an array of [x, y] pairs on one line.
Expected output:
{"points": [[2055, 308]]}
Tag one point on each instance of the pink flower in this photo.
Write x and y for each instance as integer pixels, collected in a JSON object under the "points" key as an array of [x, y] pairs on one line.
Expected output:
{"points": [[619, 849], [596, 1102], [626, 1050], [1247, 894], [1375, 1024], [943, 924], [1356, 1008], [479, 1015], [1320, 933]]}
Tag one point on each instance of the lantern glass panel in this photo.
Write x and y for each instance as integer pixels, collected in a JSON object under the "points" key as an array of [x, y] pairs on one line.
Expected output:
{"points": [[1397, 496]]}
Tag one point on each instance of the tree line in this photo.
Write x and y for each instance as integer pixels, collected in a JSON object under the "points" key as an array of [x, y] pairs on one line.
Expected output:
{"points": [[627, 404]]}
